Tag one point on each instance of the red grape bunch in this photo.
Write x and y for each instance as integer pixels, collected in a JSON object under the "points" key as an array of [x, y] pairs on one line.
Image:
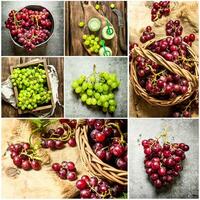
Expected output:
{"points": [[56, 138], [94, 188], [163, 162], [65, 170], [29, 28], [174, 28], [158, 81], [24, 156], [147, 35], [160, 9], [108, 140]]}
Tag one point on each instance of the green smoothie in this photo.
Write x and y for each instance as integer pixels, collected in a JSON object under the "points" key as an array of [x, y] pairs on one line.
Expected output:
{"points": [[108, 32], [105, 51], [94, 24]]}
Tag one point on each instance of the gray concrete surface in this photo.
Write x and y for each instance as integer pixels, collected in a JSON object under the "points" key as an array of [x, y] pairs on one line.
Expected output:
{"points": [[181, 130], [76, 66], [55, 45]]}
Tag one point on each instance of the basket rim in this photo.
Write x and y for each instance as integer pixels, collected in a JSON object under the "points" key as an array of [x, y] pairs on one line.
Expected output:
{"points": [[82, 132]]}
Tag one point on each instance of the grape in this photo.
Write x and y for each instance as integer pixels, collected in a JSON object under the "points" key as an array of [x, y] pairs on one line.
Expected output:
{"points": [[32, 91], [84, 97], [97, 90]]}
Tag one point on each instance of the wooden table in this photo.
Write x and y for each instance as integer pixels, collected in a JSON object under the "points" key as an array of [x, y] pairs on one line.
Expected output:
{"points": [[74, 13], [7, 109]]}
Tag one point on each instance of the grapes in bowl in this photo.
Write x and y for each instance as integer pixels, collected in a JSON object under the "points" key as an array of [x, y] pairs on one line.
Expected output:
{"points": [[30, 27]]}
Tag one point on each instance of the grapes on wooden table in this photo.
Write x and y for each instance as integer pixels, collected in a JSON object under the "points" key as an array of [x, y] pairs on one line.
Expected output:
{"points": [[92, 43], [95, 188], [31, 83], [108, 139], [98, 90], [163, 162], [29, 27]]}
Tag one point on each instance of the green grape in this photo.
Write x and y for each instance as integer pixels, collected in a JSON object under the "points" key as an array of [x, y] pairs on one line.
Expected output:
{"points": [[109, 82], [89, 101], [96, 86], [96, 51], [94, 101], [112, 102], [112, 109], [84, 97], [100, 89], [96, 39], [99, 103], [89, 92], [102, 98], [105, 104], [92, 79], [84, 37], [111, 96], [114, 85], [91, 49], [89, 85], [75, 84], [87, 42], [84, 86], [97, 95], [92, 36], [105, 87]]}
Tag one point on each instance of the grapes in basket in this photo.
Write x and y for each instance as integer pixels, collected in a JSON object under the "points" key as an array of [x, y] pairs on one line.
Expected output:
{"points": [[108, 139]]}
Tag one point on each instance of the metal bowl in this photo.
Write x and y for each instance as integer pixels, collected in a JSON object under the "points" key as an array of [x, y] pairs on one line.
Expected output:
{"points": [[38, 8]]}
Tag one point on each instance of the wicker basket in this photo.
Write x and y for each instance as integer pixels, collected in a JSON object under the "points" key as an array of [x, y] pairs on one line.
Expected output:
{"points": [[93, 164], [172, 67]]}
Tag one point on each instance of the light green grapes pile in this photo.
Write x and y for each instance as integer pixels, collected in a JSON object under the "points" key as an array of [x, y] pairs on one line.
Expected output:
{"points": [[92, 43], [32, 87], [97, 90]]}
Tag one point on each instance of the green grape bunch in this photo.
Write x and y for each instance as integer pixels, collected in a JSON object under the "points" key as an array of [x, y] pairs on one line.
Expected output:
{"points": [[31, 83], [92, 43], [98, 90]]}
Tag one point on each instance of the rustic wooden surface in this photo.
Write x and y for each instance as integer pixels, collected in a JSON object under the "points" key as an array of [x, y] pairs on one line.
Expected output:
{"points": [[7, 109], [74, 13]]}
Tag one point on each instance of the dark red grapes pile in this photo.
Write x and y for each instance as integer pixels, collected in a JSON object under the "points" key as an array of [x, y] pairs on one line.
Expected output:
{"points": [[94, 188], [23, 156], [189, 39], [108, 139], [163, 162], [56, 138], [65, 170], [174, 28], [160, 9], [29, 27], [158, 81], [147, 35]]}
